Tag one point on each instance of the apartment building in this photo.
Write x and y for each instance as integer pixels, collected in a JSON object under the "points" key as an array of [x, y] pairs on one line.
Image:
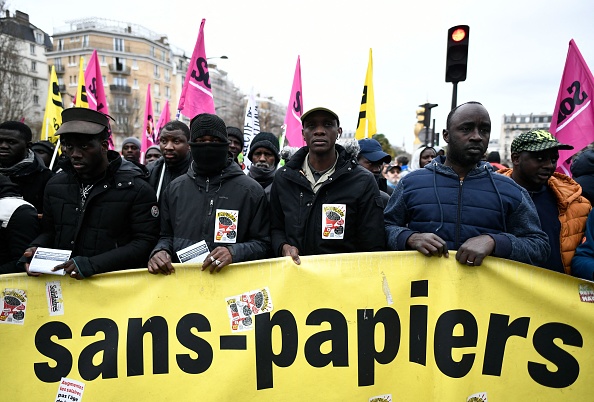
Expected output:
{"points": [[24, 70]]}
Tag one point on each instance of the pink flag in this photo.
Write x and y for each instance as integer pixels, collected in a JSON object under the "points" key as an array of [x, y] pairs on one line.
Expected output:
{"points": [[295, 110], [196, 96], [94, 85], [573, 118], [148, 139], [163, 119]]}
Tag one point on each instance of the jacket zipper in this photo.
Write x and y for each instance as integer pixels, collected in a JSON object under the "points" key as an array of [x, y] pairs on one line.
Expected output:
{"points": [[300, 207], [459, 213]]}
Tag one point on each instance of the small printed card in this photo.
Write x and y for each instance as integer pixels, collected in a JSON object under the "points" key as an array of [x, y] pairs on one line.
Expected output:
{"points": [[14, 306], [333, 221], [244, 307], [195, 253], [225, 230], [45, 259]]}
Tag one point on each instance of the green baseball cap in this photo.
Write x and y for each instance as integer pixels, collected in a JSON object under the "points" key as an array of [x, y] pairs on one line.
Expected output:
{"points": [[536, 141]]}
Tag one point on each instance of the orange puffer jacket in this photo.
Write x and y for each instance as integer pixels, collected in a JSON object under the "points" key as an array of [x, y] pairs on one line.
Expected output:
{"points": [[573, 212]]}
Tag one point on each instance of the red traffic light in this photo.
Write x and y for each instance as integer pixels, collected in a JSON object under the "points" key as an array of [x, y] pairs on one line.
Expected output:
{"points": [[458, 35]]}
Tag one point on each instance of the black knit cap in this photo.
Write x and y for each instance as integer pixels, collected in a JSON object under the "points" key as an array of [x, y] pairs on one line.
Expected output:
{"points": [[208, 124], [237, 133], [265, 140]]}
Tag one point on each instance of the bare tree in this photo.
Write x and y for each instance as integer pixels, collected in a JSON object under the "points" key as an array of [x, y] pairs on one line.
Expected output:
{"points": [[15, 88]]}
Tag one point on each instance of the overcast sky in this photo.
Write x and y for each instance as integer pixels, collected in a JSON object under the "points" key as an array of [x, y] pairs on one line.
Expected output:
{"points": [[516, 57]]}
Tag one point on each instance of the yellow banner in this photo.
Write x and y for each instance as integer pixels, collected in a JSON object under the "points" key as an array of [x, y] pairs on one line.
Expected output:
{"points": [[391, 326]]}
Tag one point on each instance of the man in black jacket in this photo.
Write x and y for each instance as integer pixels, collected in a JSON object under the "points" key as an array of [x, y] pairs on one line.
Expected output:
{"points": [[176, 157], [100, 207], [322, 200], [21, 164], [213, 202]]}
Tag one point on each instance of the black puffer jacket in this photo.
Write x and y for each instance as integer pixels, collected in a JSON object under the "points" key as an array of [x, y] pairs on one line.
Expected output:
{"points": [[296, 211], [189, 207], [116, 229], [32, 180], [172, 172]]}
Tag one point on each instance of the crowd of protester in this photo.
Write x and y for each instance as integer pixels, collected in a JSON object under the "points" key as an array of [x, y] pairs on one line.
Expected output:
{"points": [[192, 192]]}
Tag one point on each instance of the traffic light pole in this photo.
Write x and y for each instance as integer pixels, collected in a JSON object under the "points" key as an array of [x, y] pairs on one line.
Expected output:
{"points": [[454, 95]]}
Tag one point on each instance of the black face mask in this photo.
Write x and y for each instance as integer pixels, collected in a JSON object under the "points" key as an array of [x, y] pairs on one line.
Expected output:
{"points": [[209, 157]]}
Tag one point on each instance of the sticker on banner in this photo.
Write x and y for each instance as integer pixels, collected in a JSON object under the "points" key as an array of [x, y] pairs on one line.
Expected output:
{"points": [[480, 397], [226, 226], [586, 293], [381, 398], [70, 390], [55, 302], [333, 221], [244, 307], [14, 306]]}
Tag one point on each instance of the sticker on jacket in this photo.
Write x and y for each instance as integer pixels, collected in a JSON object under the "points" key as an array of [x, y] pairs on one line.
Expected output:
{"points": [[333, 221], [226, 226]]}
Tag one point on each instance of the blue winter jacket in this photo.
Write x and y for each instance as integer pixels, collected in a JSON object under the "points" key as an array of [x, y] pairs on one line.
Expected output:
{"points": [[435, 200], [582, 264]]}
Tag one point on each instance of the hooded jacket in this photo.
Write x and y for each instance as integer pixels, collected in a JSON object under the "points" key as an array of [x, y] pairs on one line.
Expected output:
{"points": [[18, 226], [435, 200], [32, 179], [189, 210], [117, 227], [573, 213], [297, 212]]}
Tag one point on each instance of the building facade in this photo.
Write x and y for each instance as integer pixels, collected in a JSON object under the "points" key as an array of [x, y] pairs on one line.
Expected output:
{"points": [[23, 70], [514, 124]]}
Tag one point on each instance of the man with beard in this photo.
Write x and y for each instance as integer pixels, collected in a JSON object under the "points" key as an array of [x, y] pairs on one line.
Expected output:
{"points": [[322, 201], [176, 156], [100, 206], [19, 163], [458, 203], [264, 155], [213, 202], [561, 208]]}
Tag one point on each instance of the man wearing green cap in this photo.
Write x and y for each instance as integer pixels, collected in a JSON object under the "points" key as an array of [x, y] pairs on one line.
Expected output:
{"points": [[561, 208]]}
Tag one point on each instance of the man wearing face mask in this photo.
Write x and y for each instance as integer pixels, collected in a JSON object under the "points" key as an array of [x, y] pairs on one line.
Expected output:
{"points": [[215, 202], [264, 155]]}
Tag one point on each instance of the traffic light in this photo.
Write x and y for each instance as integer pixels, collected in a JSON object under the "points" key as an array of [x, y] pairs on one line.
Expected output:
{"points": [[420, 120], [457, 54]]}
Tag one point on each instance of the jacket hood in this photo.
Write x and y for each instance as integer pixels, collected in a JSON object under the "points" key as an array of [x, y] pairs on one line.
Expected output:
{"points": [[8, 188], [584, 164]]}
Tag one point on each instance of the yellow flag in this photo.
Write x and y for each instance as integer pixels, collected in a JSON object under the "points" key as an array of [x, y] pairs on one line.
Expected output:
{"points": [[367, 111], [81, 90], [52, 118]]}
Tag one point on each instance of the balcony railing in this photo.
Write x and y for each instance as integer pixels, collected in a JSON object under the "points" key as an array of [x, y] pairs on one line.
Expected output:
{"points": [[122, 89], [115, 69], [59, 68]]}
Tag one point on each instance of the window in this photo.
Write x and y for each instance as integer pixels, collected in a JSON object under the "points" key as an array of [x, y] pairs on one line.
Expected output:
{"points": [[167, 74], [60, 44], [60, 81], [527, 119], [157, 107], [33, 65], [157, 90], [120, 81], [156, 71], [39, 37], [135, 86], [104, 78], [34, 83], [163, 55], [118, 44], [121, 104], [120, 63], [136, 103], [36, 99], [72, 60], [134, 64], [31, 48], [518, 119], [153, 51], [102, 61], [85, 41], [167, 92]]}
